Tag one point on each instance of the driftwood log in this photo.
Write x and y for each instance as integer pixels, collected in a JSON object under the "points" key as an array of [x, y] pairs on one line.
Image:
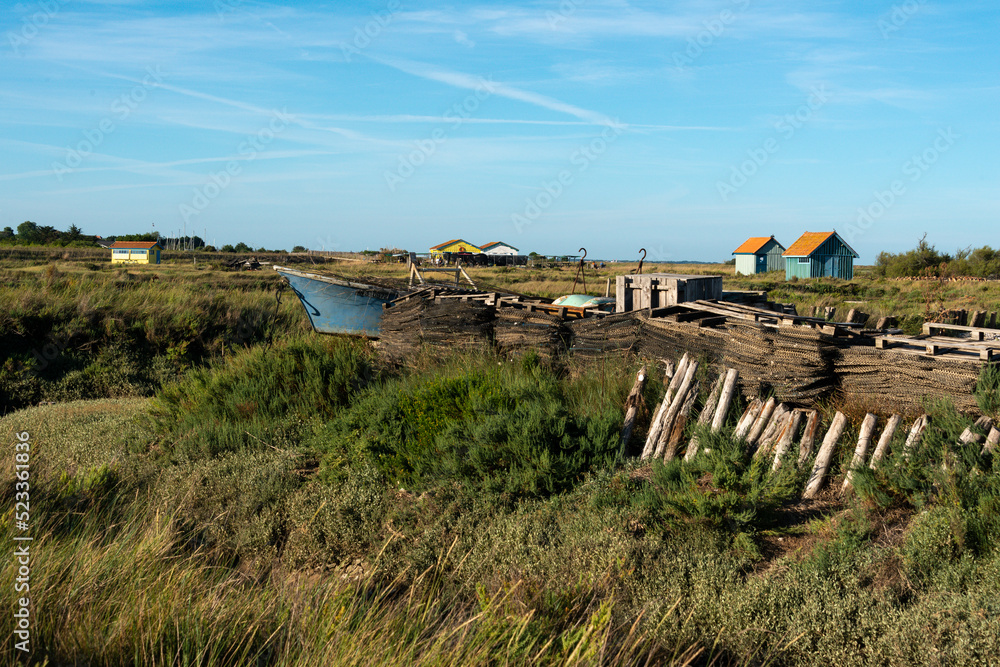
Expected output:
{"points": [[770, 435], [632, 405], [992, 440], [725, 399], [861, 451], [680, 422], [808, 438], [748, 418], [675, 407], [761, 422], [656, 425], [707, 413], [883, 442], [786, 438], [824, 456], [916, 431]]}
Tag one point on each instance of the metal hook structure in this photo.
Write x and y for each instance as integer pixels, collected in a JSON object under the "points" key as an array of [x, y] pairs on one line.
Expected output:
{"points": [[580, 274], [643, 251]]}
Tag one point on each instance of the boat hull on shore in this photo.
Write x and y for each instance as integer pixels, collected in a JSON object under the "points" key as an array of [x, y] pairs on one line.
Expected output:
{"points": [[339, 306]]}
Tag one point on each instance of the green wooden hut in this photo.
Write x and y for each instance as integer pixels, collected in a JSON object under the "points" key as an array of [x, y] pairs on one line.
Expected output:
{"points": [[759, 254], [819, 254]]}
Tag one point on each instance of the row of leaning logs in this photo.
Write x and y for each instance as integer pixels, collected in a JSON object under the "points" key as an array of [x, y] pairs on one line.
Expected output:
{"points": [[770, 428], [666, 431]]}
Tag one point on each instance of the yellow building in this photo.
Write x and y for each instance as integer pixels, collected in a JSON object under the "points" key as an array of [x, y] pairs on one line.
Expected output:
{"points": [[135, 252], [456, 245]]}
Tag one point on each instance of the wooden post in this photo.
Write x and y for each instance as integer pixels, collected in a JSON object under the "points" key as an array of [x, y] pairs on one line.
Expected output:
{"points": [[657, 424], [861, 451], [632, 404], [808, 438], [773, 430], [992, 440], [969, 436], [675, 407], [885, 439], [680, 421], [824, 456], [677, 377], [707, 412], [748, 418], [914, 437], [761, 421], [725, 399], [607, 289], [786, 438]]}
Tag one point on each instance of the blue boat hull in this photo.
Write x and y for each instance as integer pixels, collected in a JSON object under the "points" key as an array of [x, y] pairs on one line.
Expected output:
{"points": [[337, 306]]}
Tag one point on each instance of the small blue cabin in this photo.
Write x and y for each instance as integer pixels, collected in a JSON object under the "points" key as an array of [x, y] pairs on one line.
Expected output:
{"points": [[820, 254], [759, 254]]}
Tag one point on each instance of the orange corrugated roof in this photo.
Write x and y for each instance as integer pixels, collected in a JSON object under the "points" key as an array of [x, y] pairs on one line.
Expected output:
{"points": [[134, 244], [753, 244], [807, 244]]}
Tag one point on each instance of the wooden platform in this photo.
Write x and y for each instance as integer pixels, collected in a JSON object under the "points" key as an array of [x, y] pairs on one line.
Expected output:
{"points": [[440, 293], [714, 313], [942, 345], [975, 333]]}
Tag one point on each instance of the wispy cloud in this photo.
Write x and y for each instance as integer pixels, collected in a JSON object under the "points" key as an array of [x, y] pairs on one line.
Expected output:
{"points": [[470, 82]]}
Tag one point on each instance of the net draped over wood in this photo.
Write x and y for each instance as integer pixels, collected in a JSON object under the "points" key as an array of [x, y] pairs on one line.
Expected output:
{"points": [[518, 330], [894, 378], [436, 326], [798, 364]]}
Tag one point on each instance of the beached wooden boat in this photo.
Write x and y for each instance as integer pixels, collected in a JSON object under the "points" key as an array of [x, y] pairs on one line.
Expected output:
{"points": [[337, 305]]}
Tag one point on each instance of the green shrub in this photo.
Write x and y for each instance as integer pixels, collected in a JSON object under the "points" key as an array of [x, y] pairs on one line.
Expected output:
{"points": [[261, 397], [336, 524], [935, 539], [509, 428]]}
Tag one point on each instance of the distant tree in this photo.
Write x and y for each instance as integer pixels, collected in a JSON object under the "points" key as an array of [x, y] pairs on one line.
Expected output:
{"points": [[7, 234], [262, 249], [298, 248], [922, 260], [73, 233], [210, 248], [242, 247], [228, 248], [49, 234], [27, 232]]}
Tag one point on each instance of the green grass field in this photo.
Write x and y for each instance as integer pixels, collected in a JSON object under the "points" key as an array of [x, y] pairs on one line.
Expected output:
{"points": [[206, 493]]}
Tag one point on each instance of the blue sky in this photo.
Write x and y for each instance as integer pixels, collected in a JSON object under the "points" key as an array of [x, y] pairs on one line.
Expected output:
{"points": [[682, 127]]}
